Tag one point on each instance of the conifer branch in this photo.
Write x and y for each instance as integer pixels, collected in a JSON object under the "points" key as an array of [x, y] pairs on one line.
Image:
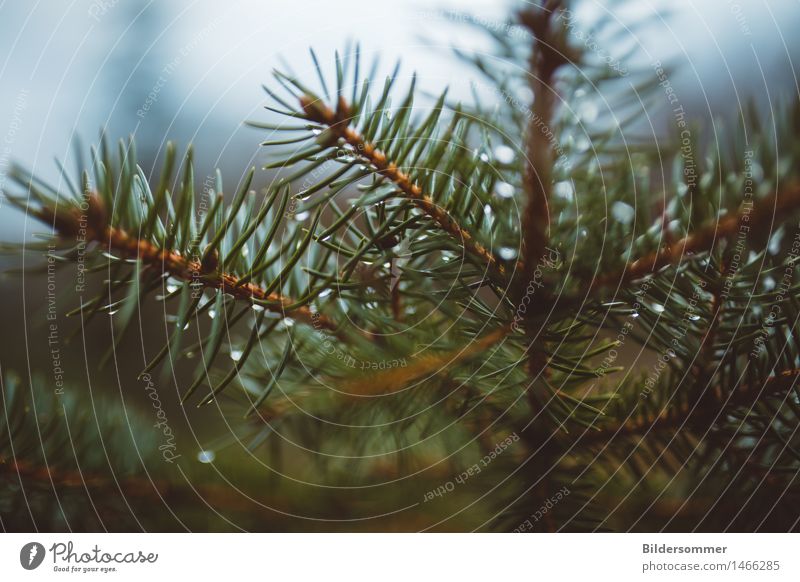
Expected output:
{"points": [[153, 490], [677, 416], [205, 273], [753, 217], [338, 123]]}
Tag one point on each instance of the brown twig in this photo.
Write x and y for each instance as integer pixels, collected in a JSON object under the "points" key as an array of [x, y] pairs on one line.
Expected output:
{"points": [[118, 241], [679, 415], [337, 122], [547, 55], [132, 486], [761, 215]]}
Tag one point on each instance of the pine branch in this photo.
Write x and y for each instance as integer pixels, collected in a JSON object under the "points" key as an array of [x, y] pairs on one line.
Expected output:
{"points": [[753, 218], [154, 491], [204, 273], [338, 123], [688, 410]]}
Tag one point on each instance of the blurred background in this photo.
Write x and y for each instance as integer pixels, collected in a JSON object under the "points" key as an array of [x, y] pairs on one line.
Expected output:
{"points": [[191, 72]]}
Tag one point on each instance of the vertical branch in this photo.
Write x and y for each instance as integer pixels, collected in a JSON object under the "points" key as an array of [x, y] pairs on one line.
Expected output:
{"points": [[547, 55]]}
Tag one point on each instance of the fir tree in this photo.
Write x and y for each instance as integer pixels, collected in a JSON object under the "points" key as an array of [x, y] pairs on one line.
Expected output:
{"points": [[425, 319]]}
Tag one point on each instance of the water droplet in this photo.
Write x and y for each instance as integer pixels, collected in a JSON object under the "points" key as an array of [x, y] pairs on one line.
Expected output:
{"points": [[487, 210], [769, 283], [564, 190], [206, 456], [694, 317], [172, 284], [447, 256], [658, 308], [504, 154], [212, 313], [582, 143], [622, 212], [775, 241], [504, 190], [236, 355], [635, 314], [484, 157], [757, 172], [588, 112], [245, 251], [325, 293], [258, 308], [507, 253], [301, 216], [316, 131]]}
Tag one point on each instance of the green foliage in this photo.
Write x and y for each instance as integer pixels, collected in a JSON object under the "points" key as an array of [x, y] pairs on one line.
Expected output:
{"points": [[372, 304]]}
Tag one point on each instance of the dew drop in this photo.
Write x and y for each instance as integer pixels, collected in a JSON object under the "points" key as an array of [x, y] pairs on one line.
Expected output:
{"points": [[212, 313], [757, 172], [622, 212], [504, 154], [325, 293], [769, 283], [694, 317], [504, 190], [484, 157], [582, 143], [257, 308], [564, 190], [588, 112], [775, 241], [507, 253], [236, 355], [487, 210], [301, 216], [658, 308], [206, 456]]}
